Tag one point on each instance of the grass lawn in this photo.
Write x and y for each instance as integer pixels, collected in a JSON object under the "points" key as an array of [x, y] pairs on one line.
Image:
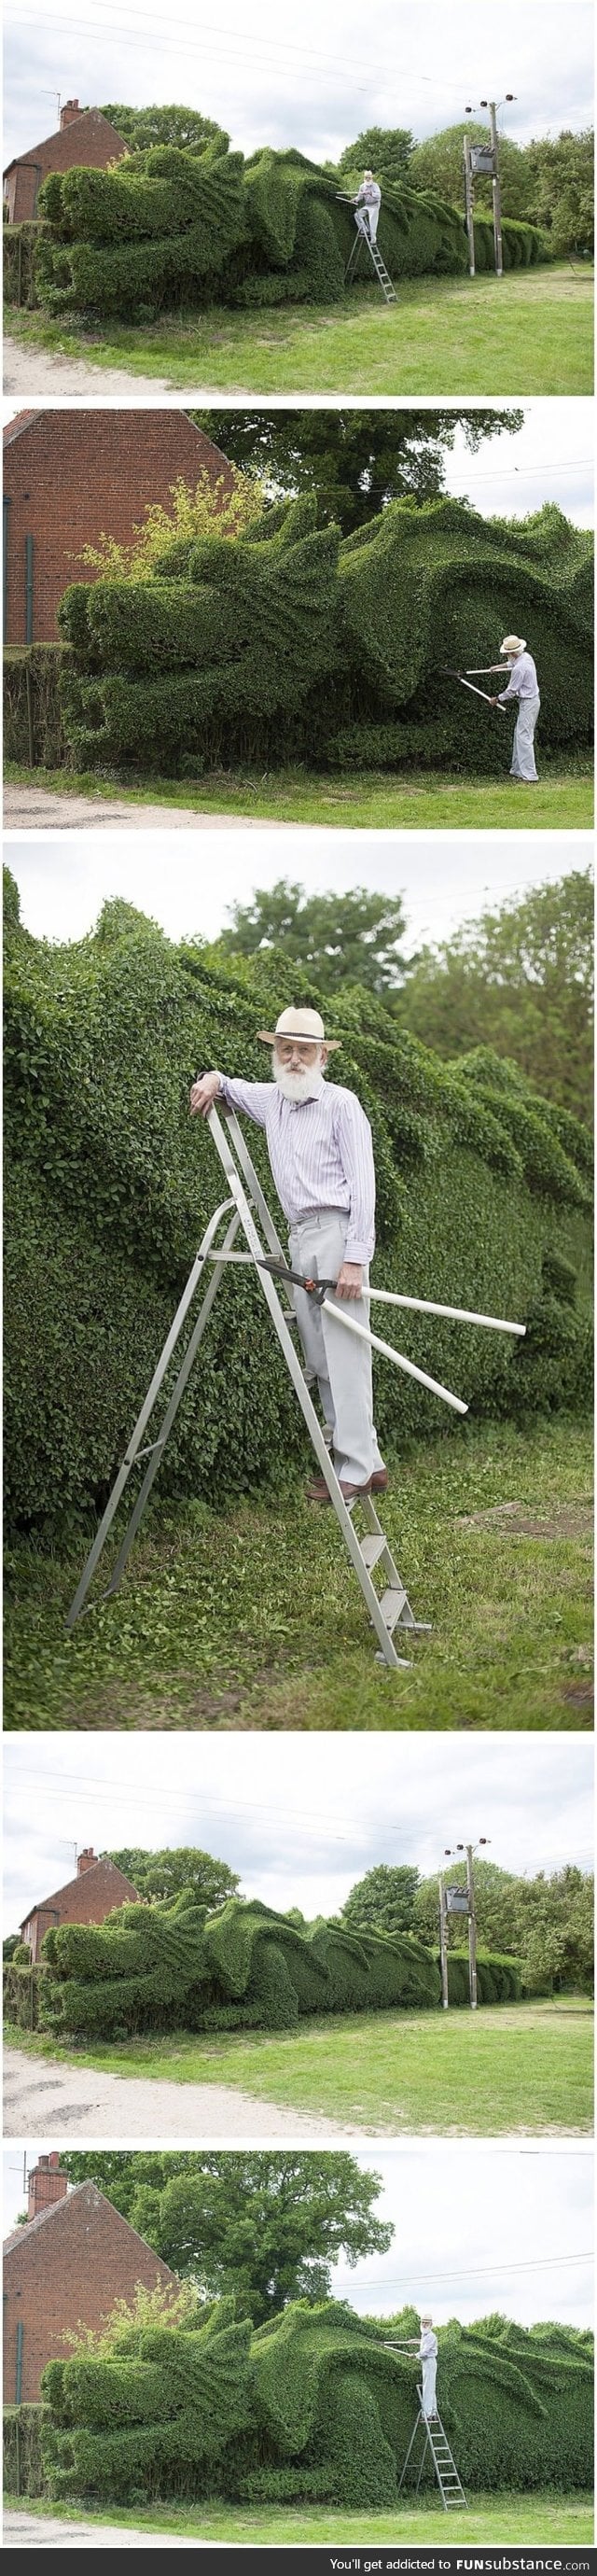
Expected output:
{"points": [[516, 2519], [422, 801], [508, 2068], [253, 1617], [530, 332]]}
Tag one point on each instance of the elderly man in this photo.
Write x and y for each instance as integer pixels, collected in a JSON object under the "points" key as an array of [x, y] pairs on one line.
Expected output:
{"points": [[368, 203], [320, 1150], [523, 685], [428, 2356]]}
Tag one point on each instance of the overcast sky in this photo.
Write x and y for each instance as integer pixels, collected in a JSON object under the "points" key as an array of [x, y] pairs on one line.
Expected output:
{"points": [[476, 2227], [315, 81], [297, 1821], [549, 459], [188, 883]]}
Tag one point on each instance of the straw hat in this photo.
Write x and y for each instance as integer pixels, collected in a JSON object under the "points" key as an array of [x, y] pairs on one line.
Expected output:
{"points": [[307, 1026], [514, 644]]}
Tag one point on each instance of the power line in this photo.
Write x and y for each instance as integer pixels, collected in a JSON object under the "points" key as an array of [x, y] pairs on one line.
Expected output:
{"points": [[476, 2272], [273, 46], [54, 1784]]}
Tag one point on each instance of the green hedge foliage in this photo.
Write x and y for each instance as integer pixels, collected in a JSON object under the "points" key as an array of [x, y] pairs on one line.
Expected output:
{"points": [[166, 228], [314, 2404], [245, 1966], [220, 658], [109, 1185]]}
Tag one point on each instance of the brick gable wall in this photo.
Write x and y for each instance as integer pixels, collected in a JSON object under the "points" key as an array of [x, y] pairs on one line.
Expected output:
{"points": [[86, 142], [85, 1899], [67, 2269], [76, 475]]}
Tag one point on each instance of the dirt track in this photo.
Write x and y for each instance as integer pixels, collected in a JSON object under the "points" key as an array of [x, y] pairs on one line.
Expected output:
{"points": [[36, 809], [30, 370], [38, 2531], [78, 2102]]}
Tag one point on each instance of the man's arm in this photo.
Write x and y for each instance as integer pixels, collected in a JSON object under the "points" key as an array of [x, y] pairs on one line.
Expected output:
{"points": [[250, 1097], [356, 1148]]}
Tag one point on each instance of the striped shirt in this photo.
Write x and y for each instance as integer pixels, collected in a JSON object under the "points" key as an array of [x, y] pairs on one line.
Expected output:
{"points": [[523, 682], [321, 1154]]}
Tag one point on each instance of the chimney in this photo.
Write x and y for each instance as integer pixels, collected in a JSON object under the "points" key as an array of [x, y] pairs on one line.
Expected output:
{"points": [[71, 108], [46, 2184], [87, 1860]]}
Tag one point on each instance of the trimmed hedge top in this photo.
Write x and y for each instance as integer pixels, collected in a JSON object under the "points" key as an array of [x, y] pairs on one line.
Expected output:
{"points": [[168, 228], [482, 1201], [312, 2404]]}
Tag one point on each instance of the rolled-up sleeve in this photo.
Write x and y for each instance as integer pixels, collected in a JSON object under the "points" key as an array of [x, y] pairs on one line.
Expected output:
{"points": [[250, 1097], [355, 1146]]}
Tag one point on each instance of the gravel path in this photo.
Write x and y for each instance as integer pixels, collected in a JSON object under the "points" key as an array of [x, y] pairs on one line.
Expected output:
{"points": [[30, 370], [27, 807], [41, 2093], [36, 2531]]}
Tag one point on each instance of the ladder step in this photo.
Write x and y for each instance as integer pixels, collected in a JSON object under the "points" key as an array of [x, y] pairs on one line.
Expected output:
{"points": [[391, 1604], [373, 1548]]}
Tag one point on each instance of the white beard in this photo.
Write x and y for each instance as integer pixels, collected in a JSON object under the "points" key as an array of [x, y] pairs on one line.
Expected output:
{"points": [[297, 1086]]}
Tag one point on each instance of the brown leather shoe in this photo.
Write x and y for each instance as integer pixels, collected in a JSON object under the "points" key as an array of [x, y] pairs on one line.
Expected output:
{"points": [[380, 1480], [318, 1491]]}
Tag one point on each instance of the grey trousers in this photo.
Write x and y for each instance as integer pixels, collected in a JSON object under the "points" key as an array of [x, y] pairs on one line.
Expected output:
{"points": [[523, 753], [367, 219], [429, 2387], [340, 1364]]}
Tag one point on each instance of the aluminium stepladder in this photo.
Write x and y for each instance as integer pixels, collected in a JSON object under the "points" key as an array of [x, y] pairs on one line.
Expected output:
{"points": [[435, 2445], [381, 272], [246, 1208]]}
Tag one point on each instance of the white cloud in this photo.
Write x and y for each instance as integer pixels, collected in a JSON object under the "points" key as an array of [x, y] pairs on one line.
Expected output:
{"points": [[316, 88], [190, 886], [296, 1820], [476, 2227]]}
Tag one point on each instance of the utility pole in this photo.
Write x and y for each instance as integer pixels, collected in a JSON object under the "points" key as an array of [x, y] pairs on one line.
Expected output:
{"points": [[472, 1929], [465, 1905], [495, 187], [468, 201], [492, 165], [443, 1945]]}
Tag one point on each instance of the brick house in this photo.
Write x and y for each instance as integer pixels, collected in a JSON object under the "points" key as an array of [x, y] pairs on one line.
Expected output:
{"points": [[74, 476], [66, 2268], [84, 141], [88, 1898]]}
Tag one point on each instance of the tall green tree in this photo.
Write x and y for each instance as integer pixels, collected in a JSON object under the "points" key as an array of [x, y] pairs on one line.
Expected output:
{"points": [[438, 163], [354, 461], [546, 1923], [331, 939], [383, 1901], [267, 2227], [384, 149], [562, 190], [183, 126], [162, 1875], [519, 980]]}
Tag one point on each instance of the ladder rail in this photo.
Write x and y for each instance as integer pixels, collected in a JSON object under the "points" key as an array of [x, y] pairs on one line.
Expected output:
{"points": [[242, 1205], [272, 1300], [133, 1447], [435, 2443], [382, 273]]}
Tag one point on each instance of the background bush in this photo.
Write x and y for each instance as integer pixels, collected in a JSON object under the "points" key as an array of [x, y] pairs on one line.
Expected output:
{"points": [[109, 1185], [221, 657], [313, 2404]]}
